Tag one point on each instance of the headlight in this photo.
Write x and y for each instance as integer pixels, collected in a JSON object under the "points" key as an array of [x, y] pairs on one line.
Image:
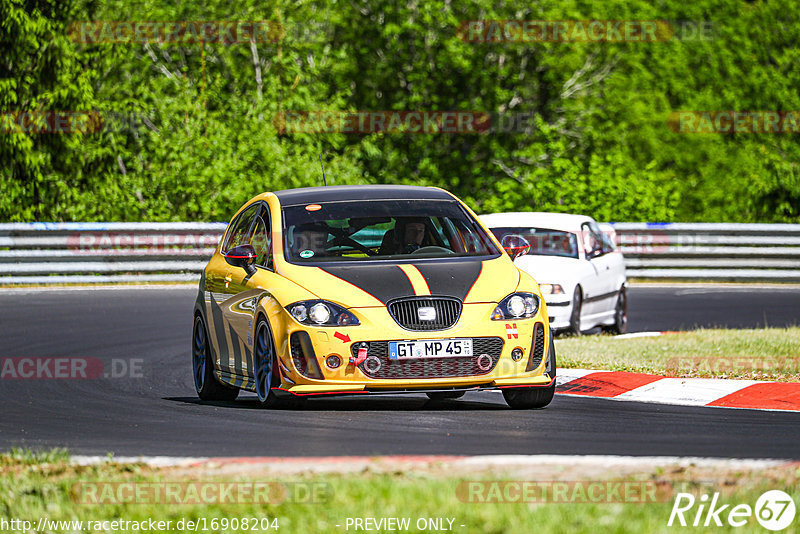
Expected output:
{"points": [[551, 289], [321, 313], [516, 306]]}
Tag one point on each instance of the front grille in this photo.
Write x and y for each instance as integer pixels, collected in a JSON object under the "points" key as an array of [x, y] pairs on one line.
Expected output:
{"points": [[537, 348], [405, 312], [429, 367]]}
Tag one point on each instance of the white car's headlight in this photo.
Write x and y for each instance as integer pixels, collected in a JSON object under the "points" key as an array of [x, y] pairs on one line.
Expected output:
{"points": [[551, 289]]}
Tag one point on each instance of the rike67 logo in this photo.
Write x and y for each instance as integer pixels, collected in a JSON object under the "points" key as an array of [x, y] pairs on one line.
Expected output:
{"points": [[774, 510]]}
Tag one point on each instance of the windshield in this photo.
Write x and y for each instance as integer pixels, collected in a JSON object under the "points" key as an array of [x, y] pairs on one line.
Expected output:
{"points": [[544, 242], [380, 230]]}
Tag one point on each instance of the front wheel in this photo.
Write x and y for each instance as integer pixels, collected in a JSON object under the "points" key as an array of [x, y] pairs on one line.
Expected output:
{"points": [[533, 398], [264, 358], [529, 398], [205, 383], [265, 377]]}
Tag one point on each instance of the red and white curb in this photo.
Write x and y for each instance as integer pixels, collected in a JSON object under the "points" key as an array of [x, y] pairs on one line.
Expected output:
{"points": [[724, 393]]}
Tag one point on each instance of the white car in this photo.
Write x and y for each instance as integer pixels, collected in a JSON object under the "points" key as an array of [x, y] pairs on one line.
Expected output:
{"points": [[579, 269]]}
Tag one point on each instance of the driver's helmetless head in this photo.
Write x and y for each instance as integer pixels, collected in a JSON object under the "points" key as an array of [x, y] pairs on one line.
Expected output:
{"points": [[414, 233]]}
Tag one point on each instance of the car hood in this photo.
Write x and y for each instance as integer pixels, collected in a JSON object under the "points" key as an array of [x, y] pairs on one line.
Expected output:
{"points": [[377, 283], [550, 269]]}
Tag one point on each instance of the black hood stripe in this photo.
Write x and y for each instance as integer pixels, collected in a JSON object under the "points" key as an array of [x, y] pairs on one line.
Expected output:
{"points": [[388, 282], [451, 279], [382, 282]]}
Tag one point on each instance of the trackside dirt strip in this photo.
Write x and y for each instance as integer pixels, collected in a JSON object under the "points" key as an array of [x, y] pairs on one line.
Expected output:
{"points": [[641, 387]]}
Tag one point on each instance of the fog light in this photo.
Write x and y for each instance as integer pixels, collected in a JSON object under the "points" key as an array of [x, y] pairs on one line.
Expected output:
{"points": [[516, 354], [333, 361]]}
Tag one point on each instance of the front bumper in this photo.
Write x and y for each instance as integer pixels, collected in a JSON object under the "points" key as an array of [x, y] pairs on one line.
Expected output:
{"points": [[304, 371], [559, 309]]}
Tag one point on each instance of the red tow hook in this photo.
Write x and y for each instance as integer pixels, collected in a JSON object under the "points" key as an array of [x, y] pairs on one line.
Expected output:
{"points": [[363, 349]]}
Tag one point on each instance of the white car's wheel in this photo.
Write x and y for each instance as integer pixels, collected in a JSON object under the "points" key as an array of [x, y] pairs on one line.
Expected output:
{"points": [[575, 315], [620, 325]]}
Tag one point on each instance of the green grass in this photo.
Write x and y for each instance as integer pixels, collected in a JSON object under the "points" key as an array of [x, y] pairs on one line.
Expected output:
{"points": [[16, 457], [762, 354], [31, 490]]}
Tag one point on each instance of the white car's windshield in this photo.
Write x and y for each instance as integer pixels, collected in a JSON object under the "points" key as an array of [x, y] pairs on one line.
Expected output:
{"points": [[380, 230], [544, 242]]}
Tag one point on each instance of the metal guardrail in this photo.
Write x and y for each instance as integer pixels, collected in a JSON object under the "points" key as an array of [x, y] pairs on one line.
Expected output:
{"points": [[713, 251], [57, 253], [46, 253]]}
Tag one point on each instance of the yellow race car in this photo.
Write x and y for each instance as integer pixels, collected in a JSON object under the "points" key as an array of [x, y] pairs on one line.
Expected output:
{"points": [[367, 290]]}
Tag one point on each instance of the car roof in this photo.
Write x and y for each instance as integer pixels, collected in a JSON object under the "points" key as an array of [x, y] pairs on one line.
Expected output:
{"points": [[343, 193], [555, 221]]}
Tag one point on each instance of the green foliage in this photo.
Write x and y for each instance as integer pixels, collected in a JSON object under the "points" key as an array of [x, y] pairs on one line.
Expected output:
{"points": [[191, 130], [40, 71]]}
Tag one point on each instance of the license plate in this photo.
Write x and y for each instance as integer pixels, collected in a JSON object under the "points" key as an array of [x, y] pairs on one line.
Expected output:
{"points": [[434, 348]]}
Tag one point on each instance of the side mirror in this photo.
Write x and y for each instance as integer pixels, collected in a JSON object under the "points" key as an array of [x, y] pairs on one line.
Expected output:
{"points": [[515, 245], [592, 254], [243, 256]]}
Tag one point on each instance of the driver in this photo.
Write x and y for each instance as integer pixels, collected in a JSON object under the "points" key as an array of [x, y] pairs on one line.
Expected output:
{"points": [[407, 236], [413, 234]]}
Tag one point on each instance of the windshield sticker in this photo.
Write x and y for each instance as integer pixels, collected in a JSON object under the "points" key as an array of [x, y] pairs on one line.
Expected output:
{"points": [[306, 253]]}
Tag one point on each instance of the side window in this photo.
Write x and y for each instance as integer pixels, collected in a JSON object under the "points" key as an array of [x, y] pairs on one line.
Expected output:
{"points": [[592, 240], [440, 235], [240, 228], [262, 239], [605, 241], [608, 243]]}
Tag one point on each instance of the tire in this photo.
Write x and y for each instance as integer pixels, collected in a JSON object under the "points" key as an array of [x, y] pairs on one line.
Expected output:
{"points": [[264, 360], [265, 377], [534, 398], [620, 325], [205, 382], [575, 316], [442, 395]]}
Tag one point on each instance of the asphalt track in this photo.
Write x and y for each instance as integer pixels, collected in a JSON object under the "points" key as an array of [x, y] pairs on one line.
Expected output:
{"points": [[156, 412]]}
